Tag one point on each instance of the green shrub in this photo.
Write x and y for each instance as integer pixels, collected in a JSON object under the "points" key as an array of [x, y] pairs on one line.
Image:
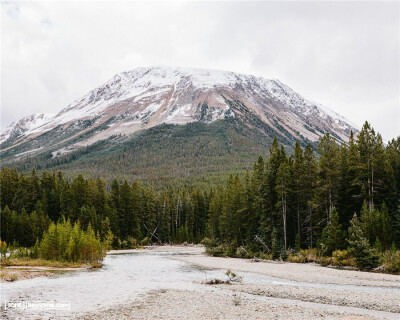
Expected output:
{"points": [[240, 253], [230, 251], [325, 261], [391, 261], [217, 251], [208, 243], [310, 255], [266, 256], [296, 258], [132, 243], [284, 255], [339, 256], [145, 242]]}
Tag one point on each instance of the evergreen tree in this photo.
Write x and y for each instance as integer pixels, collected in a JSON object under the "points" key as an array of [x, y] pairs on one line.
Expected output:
{"points": [[332, 236], [308, 185], [216, 205], [125, 212], [328, 171], [298, 173], [282, 189], [359, 246], [350, 199], [371, 152]]}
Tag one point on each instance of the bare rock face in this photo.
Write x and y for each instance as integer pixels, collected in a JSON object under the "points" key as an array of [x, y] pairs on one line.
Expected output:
{"points": [[147, 97]]}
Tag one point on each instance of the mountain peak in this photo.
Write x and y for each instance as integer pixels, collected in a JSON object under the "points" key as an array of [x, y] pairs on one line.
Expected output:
{"points": [[146, 97]]}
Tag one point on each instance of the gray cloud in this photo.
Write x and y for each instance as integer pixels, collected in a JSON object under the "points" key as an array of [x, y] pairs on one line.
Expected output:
{"points": [[344, 55]]}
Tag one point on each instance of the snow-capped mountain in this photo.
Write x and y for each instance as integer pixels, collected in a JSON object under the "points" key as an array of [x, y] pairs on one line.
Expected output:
{"points": [[24, 126], [147, 97]]}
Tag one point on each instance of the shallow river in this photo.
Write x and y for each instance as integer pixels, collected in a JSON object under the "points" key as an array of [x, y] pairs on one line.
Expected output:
{"points": [[123, 279]]}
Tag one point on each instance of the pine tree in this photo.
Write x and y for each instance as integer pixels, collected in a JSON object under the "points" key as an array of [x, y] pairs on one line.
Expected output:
{"points": [[328, 171], [7, 225], [359, 246], [136, 206], [33, 191], [226, 220], [79, 189], [332, 237], [298, 173], [366, 223], [308, 185], [251, 216], [371, 152], [114, 195], [350, 199], [125, 210], [393, 159], [216, 205], [259, 187], [270, 216], [8, 187], [385, 225], [282, 189]]}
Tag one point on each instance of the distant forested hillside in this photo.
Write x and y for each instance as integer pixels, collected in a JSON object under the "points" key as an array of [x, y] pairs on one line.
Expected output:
{"points": [[197, 153]]}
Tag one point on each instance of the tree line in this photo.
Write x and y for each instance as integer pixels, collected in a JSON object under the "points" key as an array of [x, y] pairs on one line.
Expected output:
{"points": [[304, 200]]}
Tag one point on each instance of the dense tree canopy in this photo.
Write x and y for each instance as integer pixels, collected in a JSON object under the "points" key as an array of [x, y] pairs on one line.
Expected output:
{"points": [[303, 200]]}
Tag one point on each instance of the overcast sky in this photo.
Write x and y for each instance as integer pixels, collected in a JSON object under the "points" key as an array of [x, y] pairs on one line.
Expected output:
{"points": [[343, 55]]}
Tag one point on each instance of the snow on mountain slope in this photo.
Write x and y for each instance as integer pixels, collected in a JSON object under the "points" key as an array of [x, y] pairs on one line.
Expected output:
{"points": [[25, 126], [147, 97]]}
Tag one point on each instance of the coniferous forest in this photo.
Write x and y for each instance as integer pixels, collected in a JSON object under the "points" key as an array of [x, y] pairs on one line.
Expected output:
{"points": [[340, 202]]}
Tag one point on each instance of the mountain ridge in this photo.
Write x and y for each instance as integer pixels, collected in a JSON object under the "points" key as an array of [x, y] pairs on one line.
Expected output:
{"points": [[132, 84], [249, 111]]}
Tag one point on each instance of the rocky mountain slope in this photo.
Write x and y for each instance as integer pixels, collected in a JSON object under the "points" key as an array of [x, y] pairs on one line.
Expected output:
{"points": [[145, 98]]}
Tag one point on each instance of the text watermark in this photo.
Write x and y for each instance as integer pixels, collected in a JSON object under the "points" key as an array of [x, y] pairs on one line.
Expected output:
{"points": [[37, 305]]}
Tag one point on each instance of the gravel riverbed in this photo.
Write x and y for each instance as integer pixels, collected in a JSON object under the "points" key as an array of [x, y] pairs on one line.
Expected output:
{"points": [[311, 292], [172, 304]]}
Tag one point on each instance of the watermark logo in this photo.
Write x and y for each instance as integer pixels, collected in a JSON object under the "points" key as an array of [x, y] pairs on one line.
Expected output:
{"points": [[37, 305]]}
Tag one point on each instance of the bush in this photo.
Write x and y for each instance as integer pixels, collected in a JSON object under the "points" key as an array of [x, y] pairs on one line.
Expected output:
{"points": [[310, 255], [145, 241], [208, 243], [391, 260], [132, 243], [241, 253], [296, 258], [230, 251], [216, 251], [284, 255], [266, 256], [325, 261], [339, 256]]}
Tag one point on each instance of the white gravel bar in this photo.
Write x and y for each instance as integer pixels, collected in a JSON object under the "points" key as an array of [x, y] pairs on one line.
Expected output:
{"points": [[269, 290]]}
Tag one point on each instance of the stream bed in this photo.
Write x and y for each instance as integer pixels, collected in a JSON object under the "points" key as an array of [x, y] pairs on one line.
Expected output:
{"points": [[125, 278]]}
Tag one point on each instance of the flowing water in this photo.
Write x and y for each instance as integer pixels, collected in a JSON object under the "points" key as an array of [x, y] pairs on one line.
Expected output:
{"points": [[123, 279]]}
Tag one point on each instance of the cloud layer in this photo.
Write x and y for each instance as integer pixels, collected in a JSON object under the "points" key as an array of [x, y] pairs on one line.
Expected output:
{"points": [[343, 55]]}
